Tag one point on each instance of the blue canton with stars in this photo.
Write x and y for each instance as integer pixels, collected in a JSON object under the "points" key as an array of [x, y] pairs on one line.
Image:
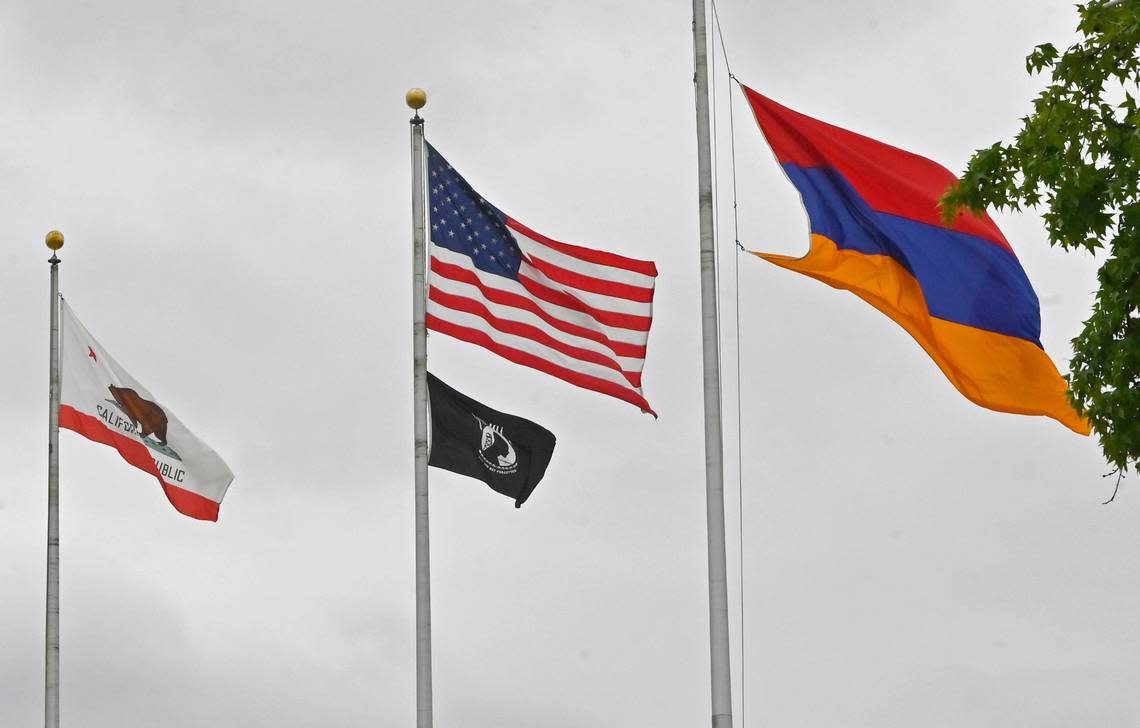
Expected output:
{"points": [[462, 221]]}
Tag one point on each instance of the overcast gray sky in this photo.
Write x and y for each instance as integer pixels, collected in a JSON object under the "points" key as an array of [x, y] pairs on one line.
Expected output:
{"points": [[233, 181]]}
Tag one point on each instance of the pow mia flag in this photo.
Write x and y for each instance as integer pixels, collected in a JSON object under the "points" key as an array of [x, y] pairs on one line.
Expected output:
{"points": [[508, 453]]}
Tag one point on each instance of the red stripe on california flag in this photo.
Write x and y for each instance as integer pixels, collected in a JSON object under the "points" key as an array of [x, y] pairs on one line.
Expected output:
{"points": [[594, 285], [515, 328], [506, 298], [599, 257], [137, 454], [561, 298], [585, 381]]}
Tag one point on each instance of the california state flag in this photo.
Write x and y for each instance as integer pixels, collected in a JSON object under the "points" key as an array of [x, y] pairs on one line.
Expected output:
{"points": [[103, 403]]}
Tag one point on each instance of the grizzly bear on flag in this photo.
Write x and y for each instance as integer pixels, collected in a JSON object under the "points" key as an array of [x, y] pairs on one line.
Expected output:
{"points": [[146, 416]]}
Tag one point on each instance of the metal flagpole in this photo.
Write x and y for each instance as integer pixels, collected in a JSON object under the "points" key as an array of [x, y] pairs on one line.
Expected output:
{"points": [[54, 241], [714, 466], [416, 99]]}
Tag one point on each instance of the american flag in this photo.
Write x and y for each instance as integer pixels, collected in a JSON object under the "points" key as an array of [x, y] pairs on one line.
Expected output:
{"points": [[578, 314]]}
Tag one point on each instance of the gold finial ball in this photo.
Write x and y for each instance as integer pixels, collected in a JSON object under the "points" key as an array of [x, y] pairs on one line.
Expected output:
{"points": [[416, 98], [54, 240]]}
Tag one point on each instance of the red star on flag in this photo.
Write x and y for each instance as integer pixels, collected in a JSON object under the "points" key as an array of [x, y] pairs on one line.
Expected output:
{"points": [[91, 353]]}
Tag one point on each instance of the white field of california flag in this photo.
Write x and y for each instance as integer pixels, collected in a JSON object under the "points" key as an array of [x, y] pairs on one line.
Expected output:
{"points": [[103, 403]]}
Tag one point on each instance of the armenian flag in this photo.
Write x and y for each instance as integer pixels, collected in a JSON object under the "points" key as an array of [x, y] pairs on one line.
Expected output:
{"points": [[959, 290]]}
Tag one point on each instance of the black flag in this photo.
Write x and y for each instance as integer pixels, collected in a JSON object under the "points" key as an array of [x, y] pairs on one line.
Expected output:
{"points": [[508, 453]]}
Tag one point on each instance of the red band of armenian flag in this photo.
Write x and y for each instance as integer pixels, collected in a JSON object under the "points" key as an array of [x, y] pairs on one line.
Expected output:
{"points": [[875, 231]]}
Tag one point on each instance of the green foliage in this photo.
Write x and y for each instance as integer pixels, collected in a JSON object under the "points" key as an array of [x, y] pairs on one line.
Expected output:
{"points": [[1078, 155]]}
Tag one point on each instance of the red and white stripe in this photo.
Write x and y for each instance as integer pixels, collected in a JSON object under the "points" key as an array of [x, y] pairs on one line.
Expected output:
{"points": [[578, 314]]}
